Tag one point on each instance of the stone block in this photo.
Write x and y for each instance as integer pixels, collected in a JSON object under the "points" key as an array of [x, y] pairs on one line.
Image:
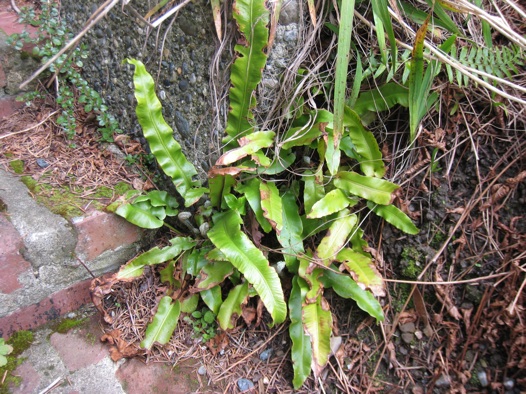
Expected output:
{"points": [[8, 106], [9, 23], [30, 379], [76, 350], [100, 232], [50, 308], [157, 378], [12, 264]]}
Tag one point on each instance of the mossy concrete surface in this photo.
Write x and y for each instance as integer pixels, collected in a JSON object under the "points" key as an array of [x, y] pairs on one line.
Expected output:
{"points": [[45, 253], [69, 355]]}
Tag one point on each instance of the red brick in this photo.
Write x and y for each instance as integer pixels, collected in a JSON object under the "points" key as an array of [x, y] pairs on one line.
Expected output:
{"points": [[8, 106], [30, 379], [50, 308], [9, 24], [139, 378], [12, 264], [74, 348], [102, 231]]}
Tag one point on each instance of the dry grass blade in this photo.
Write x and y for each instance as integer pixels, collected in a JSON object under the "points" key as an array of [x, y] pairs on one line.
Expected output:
{"points": [[497, 22]]}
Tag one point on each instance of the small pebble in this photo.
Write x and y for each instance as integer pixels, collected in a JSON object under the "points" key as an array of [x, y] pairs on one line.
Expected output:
{"points": [[408, 327], [72, 315], [201, 370], [42, 163], [265, 355], [407, 337], [483, 378], [245, 384], [183, 84]]}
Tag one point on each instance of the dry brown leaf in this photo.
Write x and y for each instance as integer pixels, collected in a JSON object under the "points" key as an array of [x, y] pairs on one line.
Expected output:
{"points": [[248, 314], [259, 312], [138, 184], [217, 343], [420, 307], [408, 316], [99, 288], [121, 348]]}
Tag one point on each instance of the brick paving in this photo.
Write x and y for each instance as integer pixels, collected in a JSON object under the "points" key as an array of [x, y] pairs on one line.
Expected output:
{"points": [[79, 363]]}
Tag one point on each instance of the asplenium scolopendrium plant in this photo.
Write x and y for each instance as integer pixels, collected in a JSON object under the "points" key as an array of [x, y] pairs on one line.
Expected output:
{"points": [[278, 185]]}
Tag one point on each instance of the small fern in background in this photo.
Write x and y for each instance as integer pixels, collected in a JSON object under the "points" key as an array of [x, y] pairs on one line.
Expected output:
{"points": [[501, 61]]}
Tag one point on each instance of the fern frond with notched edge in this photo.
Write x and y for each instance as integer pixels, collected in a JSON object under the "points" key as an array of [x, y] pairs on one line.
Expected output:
{"points": [[252, 18], [159, 135]]}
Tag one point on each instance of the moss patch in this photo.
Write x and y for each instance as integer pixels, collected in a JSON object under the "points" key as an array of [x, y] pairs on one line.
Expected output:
{"points": [[67, 202], [20, 341], [64, 325], [411, 262], [17, 166]]}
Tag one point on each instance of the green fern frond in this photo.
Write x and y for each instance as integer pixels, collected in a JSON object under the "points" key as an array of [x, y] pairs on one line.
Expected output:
{"points": [[500, 61]]}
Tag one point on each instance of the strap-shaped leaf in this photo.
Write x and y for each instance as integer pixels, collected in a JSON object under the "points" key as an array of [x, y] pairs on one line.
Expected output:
{"points": [[383, 18], [340, 85], [371, 162], [311, 273], [164, 322], [291, 235], [213, 274], [332, 202], [167, 275], [370, 188], [252, 19], [220, 185], [301, 351], [304, 135], [313, 189], [159, 135], [212, 298], [271, 205], [394, 216], [159, 198], [381, 98], [250, 144], [226, 235], [332, 150], [346, 287], [363, 271], [420, 82], [230, 309], [134, 268], [251, 191], [336, 237], [138, 216], [317, 319], [189, 304]]}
